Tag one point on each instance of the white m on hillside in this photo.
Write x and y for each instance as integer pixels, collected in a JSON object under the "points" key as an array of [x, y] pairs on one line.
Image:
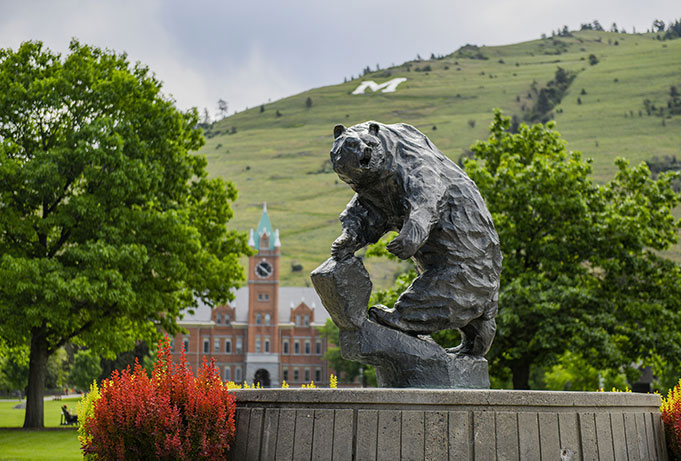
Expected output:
{"points": [[388, 87]]}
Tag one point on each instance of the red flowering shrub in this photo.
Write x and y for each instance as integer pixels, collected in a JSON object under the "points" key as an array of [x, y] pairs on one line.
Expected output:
{"points": [[172, 415], [671, 416]]}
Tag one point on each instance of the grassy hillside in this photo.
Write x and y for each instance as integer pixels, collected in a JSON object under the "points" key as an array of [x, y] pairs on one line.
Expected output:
{"points": [[282, 160]]}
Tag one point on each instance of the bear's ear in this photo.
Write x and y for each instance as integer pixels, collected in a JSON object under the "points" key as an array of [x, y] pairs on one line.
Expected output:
{"points": [[373, 129], [338, 130]]}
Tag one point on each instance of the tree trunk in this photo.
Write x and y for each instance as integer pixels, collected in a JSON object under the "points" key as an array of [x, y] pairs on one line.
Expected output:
{"points": [[37, 369], [521, 375]]}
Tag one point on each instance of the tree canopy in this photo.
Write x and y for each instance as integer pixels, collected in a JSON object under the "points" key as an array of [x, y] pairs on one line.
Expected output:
{"points": [[582, 269], [109, 226]]}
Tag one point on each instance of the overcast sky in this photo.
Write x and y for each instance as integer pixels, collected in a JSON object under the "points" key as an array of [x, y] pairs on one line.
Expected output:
{"points": [[248, 52]]}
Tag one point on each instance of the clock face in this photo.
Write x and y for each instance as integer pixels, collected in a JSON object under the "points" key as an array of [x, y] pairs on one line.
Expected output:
{"points": [[263, 269]]}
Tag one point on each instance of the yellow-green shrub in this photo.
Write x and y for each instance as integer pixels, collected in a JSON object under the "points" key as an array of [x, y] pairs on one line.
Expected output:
{"points": [[85, 409]]}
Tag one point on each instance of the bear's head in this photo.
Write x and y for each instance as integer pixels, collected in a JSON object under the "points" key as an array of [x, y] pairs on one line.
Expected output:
{"points": [[357, 153]]}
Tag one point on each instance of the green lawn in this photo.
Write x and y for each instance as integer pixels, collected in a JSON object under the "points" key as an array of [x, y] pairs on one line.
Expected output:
{"points": [[53, 443], [48, 444]]}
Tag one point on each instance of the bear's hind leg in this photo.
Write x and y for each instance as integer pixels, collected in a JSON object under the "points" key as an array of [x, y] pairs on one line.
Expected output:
{"points": [[476, 338]]}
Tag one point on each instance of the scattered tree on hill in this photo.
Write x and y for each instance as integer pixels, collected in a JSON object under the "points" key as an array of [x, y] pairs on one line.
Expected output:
{"points": [[108, 226], [658, 25], [593, 59], [206, 121], [673, 30], [613, 28], [222, 108], [262, 108], [308, 102], [471, 52], [550, 96], [674, 101], [673, 105], [597, 26], [582, 270], [659, 165], [278, 114]]}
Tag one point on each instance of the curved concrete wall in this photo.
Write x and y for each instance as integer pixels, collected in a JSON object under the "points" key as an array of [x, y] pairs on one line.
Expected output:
{"points": [[392, 424]]}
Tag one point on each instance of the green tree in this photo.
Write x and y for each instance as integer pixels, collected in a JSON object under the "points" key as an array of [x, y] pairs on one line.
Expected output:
{"points": [[658, 25], [581, 270], [85, 370], [13, 369], [223, 108], [108, 226]]}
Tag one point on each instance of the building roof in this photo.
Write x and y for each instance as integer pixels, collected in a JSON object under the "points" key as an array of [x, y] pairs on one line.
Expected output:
{"points": [[289, 298], [201, 314], [264, 228]]}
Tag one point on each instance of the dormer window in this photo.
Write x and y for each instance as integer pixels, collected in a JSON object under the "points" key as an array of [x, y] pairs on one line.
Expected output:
{"points": [[227, 320], [297, 319], [307, 320], [218, 319]]}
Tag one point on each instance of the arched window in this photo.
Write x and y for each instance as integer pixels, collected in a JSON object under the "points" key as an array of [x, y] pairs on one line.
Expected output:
{"points": [[258, 318], [267, 319]]}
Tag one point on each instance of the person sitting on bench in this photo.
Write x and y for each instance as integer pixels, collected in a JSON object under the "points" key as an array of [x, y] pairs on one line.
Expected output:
{"points": [[67, 417]]}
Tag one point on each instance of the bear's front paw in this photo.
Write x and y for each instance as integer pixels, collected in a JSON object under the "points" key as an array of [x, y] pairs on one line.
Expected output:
{"points": [[343, 247], [407, 243], [402, 248]]}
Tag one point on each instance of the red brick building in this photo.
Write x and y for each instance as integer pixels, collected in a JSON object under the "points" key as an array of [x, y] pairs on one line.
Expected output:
{"points": [[268, 333]]}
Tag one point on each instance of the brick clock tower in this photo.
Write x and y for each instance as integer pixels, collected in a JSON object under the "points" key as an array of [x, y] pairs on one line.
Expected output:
{"points": [[262, 351]]}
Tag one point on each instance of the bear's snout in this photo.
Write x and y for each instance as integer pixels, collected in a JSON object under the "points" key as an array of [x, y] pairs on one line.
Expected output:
{"points": [[365, 158]]}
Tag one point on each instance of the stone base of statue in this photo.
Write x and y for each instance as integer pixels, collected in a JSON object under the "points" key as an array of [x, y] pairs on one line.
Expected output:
{"points": [[441, 424], [401, 360]]}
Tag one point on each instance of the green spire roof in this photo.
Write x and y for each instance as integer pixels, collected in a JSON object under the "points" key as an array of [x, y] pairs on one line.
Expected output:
{"points": [[264, 228]]}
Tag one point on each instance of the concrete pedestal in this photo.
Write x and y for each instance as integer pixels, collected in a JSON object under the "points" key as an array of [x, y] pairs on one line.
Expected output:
{"points": [[393, 424]]}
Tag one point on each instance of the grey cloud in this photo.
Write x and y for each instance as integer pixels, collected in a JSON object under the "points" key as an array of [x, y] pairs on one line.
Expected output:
{"points": [[247, 52]]}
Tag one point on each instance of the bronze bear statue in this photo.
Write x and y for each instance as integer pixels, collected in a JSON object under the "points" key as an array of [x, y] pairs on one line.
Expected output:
{"points": [[404, 183]]}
